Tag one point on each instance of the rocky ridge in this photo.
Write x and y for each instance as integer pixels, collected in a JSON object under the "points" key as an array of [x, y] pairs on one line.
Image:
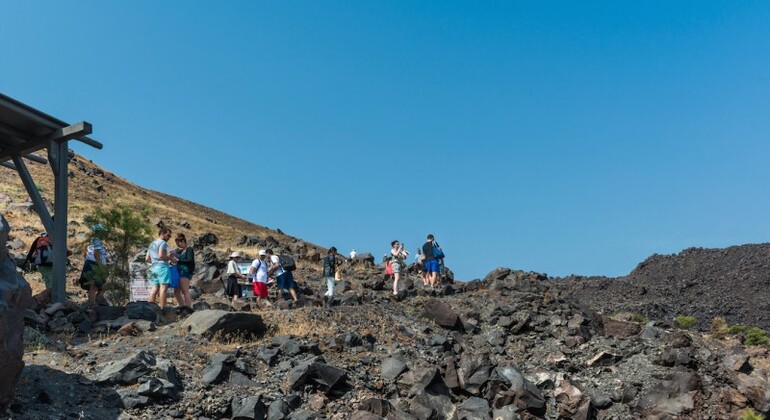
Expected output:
{"points": [[704, 283]]}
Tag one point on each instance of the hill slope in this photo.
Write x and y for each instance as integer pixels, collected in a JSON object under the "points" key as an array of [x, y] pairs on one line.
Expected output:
{"points": [[92, 187], [704, 283]]}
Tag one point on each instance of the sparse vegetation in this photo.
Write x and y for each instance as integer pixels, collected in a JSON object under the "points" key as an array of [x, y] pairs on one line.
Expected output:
{"points": [[750, 336], [685, 322], [127, 230], [750, 414]]}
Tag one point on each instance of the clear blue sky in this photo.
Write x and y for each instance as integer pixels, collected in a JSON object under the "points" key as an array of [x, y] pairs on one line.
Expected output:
{"points": [[559, 137]]}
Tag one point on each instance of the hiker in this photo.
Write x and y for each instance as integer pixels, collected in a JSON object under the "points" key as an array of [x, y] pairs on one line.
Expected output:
{"points": [[284, 279], [92, 277], [397, 261], [258, 271], [160, 269], [232, 287], [353, 254], [40, 254], [329, 273], [186, 267], [430, 262]]}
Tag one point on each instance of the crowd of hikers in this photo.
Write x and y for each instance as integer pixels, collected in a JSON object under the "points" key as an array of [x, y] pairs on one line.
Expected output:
{"points": [[173, 268]]}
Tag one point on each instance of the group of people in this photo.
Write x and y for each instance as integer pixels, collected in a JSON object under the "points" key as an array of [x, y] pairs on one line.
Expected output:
{"points": [[170, 268], [430, 257], [266, 266]]}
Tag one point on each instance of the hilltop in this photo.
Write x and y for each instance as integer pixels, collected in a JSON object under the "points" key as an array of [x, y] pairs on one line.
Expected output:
{"points": [[704, 283]]}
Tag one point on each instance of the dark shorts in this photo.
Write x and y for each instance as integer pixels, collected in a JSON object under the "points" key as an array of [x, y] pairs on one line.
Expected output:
{"points": [[431, 266], [232, 288], [286, 281], [89, 276]]}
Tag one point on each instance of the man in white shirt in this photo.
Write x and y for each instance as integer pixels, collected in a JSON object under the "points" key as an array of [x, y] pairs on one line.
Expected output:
{"points": [[258, 271], [283, 278], [353, 254]]}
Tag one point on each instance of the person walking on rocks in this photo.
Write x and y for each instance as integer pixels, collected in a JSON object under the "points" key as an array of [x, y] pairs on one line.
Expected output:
{"points": [[93, 276], [40, 254], [186, 267], [258, 272], [159, 258], [232, 287], [283, 278], [430, 263], [398, 256], [330, 269]]}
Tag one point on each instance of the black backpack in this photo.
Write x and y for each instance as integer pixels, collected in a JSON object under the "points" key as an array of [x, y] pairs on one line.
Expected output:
{"points": [[329, 266], [287, 262]]}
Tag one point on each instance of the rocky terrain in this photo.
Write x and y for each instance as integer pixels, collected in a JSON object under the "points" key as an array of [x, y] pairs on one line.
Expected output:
{"points": [[704, 283], [505, 347], [515, 345]]}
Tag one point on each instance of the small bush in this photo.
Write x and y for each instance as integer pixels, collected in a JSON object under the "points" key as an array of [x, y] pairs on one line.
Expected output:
{"points": [[737, 329], [685, 322], [719, 327], [756, 337], [750, 414]]}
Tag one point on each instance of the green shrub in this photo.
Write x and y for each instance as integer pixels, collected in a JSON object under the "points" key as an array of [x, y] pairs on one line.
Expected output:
{"points": [[756, 337], [685, 322], [737, 329], [750, 414]]}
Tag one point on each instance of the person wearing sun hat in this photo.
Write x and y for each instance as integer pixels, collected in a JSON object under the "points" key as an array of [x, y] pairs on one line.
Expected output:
{"points": [[232, 287]]}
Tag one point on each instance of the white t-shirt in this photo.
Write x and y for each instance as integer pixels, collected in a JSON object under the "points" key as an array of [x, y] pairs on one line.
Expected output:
{"points": [[232, 267], [274, 261], [260, 272], [353, 254]]}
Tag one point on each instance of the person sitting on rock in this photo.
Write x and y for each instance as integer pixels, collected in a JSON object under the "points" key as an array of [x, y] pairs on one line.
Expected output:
{"points": [[284, 278], [160, 258], [40, 255], [232, 287]]}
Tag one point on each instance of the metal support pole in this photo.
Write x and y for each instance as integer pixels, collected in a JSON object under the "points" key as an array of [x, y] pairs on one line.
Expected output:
{"points": [[58, 157]]}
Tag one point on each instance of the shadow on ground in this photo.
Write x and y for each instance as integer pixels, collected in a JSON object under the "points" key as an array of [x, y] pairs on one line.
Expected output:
{"points": [[46, 393]]}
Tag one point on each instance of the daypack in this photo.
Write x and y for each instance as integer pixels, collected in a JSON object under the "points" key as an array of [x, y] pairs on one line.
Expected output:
{"points": [[389, 268], [329, 266], [438, 253], [44, 251], [287, 262]]}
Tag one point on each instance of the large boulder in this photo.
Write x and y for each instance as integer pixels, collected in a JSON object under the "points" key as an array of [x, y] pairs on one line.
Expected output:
{"points": [[15, 298], [217, 323]]}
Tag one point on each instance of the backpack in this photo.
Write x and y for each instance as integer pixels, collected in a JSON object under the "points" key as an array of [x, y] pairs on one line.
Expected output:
{"points": [[44, 251], [329, 266], [287, 262], [438, 253]]}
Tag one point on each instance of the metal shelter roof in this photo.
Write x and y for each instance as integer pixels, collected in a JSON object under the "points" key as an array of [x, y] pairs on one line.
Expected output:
{"points": [[24, 131]]}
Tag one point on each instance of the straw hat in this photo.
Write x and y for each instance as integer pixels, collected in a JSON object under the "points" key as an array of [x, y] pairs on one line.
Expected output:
{"points": [[236, 254]]}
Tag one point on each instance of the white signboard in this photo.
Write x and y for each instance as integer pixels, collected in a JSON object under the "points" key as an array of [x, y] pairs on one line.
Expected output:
{"points": [[140, 282]]}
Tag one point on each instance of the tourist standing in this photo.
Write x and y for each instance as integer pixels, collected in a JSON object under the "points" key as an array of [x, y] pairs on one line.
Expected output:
{"points": [[159, 258], [353, 254], [40, 254], [258, 272], [283, 278], [232, 287], [430, 263], [186, 267], [398, 257], [94, 272], [329, 272]]}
